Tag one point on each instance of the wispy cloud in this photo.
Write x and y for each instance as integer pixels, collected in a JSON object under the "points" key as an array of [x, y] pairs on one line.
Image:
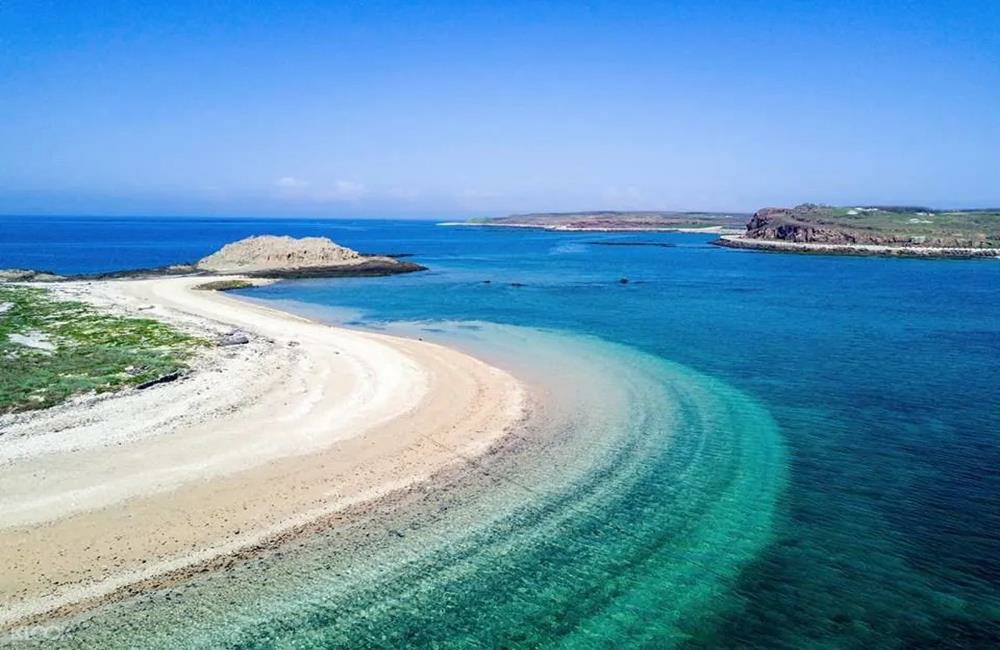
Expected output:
{"points": [[290, 183]]}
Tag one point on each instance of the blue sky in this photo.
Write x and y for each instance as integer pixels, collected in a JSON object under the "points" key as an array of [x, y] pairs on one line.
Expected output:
{"points": [[468, 108]]}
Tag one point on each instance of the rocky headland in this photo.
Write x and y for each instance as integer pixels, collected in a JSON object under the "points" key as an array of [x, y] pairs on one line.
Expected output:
{"points": [[890, 231]]}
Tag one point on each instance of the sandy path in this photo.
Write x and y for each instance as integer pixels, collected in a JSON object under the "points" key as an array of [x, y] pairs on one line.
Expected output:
{"points": [[303, 421]]}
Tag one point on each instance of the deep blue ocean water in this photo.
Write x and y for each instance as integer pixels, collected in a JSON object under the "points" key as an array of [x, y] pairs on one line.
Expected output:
{"points": [[880, 374]]}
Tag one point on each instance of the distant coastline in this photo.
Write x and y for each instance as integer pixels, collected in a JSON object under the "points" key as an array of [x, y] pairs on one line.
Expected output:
{"points": [[617, 221], [814, 248], [891, 231], [585, 228]]}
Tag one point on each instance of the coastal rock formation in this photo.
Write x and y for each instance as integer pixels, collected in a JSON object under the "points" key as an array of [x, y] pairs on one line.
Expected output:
{"points": [[269, 252], [27, 275], [274, 256], [816, 224], [806, 224], [898, 231]]}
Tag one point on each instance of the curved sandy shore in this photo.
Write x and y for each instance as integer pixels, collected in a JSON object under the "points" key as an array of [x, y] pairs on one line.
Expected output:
{"points": [[105, 495]]}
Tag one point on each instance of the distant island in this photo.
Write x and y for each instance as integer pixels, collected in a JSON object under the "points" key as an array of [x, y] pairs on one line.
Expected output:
{"points": [[871, 230], [900, 231], [611, 221], [263, 256]]}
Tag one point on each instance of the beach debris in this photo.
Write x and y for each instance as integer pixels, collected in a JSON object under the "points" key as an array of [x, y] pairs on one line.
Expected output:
{"points": [[236, 337], [171, 376]]}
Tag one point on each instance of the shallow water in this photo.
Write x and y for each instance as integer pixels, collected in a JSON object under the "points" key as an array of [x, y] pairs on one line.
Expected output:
{"points": [[773, 450], [631, 499]]}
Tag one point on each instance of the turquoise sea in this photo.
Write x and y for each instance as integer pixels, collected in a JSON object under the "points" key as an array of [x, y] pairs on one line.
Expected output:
{"points": [[736, 449]]}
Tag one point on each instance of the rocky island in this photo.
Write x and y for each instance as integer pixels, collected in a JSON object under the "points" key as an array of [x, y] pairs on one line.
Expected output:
{"points": [[264, 256], [873, 230], [612, 221], [268, 256]]}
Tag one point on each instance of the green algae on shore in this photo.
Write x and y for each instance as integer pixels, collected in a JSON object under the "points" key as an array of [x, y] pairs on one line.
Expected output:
{"points": [[54, 349]]}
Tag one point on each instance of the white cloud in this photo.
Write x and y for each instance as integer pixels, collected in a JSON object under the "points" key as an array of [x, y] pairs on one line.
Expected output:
{"points": [[290, 183]]}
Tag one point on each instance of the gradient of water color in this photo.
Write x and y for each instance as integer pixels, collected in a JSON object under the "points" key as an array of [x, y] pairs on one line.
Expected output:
{"points": [[785, 451]]}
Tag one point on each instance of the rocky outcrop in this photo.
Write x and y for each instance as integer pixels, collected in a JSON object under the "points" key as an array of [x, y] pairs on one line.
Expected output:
{"points": [[821, 248], [273, 256], [900, 231], [27, 275], [806, 224], [266, 256], [269, 252], [815, 224]]}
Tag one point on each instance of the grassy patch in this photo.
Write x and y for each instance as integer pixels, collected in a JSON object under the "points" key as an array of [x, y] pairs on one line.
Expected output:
{"points": [[225, 285], [85, 349], [909, 225]]}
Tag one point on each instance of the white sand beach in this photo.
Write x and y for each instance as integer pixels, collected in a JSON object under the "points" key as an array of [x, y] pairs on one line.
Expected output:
{"points": [[105, 495]]}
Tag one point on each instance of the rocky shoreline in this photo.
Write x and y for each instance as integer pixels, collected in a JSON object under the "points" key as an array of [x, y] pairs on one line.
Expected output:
{"points": [[604, 228], [881, 250], [890, 231]]}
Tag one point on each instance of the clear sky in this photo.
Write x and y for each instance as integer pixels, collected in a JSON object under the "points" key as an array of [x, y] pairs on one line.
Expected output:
{"points": [[467, 108]]}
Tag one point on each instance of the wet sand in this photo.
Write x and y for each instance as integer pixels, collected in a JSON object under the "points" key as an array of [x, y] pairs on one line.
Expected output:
{"points": [[105, 497]]}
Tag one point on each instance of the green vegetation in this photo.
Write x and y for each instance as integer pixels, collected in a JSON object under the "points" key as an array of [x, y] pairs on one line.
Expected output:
{"points": [[225, 285], [54, 349], [973, 227], [910, 226]]}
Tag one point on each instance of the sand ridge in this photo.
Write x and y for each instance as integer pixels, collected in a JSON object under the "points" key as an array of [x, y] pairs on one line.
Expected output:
{"points": [[304, 420]]}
